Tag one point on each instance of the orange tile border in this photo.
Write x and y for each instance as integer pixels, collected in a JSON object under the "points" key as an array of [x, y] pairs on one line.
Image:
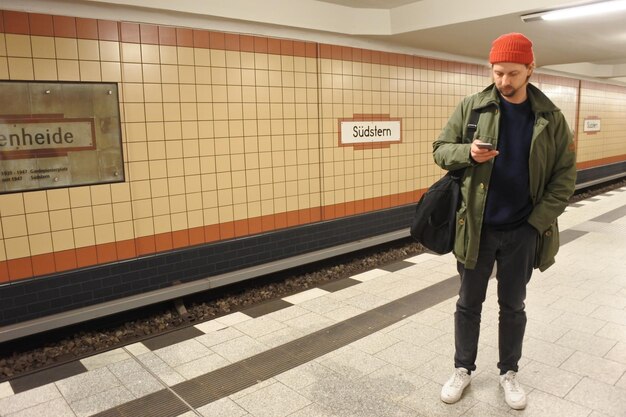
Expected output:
{"points": [[41, 24], [65, 260], [64, 27], [196, 236], [86, 28], [163, 242], [201, 39], [180, 239], [241, 228], [184, 37], [20, 268], [108, 30], [145, 245], [126, 249], [167, 36], [16, 22], [4, 269], [107, 252], [227, 230], [600, 162], [1, 31], [149, 34], [212, 233], [86, 256], [129, 32], [43, 264]]}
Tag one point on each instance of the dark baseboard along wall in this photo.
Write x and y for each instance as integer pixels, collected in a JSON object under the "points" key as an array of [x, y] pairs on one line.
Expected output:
{"points": [[43, 296]]}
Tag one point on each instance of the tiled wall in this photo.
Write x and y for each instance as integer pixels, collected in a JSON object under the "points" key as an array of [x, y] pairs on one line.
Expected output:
{"points": [[608, 104], [229, 135]]}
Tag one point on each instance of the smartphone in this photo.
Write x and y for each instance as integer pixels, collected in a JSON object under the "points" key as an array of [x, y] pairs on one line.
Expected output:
{"points": [[483, 145]]}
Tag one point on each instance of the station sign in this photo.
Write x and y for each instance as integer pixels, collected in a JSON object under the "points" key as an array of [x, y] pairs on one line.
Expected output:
{"points": [[370, 130], [59, 134]]}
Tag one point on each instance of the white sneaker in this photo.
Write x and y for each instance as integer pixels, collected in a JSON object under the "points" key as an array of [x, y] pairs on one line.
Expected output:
{"points": [[453, 388], [513, 393]]}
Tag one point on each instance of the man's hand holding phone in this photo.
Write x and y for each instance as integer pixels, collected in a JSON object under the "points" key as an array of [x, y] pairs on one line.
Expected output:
{"points": [[482, 151]]}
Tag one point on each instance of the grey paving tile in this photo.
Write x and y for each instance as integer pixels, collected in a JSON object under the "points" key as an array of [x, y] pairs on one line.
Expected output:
{"points": [[201, 366], [541, 404], [484, 410], [135, 378], [594, 367], [579, 322], [415, 333], [280, 337], [88, 384], [349, 397], [426, 401], [183, 352], [405, 355], [617, 353], [549, 379], [30, 398], [600, 397], [56, 408], [544, 352], [610, 314], [305, 375], [162, 370], [259, 327], [101, 401], [275, 400], [547, 332], [239, 348], [613, 331], [104, 359], [352, 362], [585, 342], [570, 305], [374, 343], [6, 390], [219, 336], [224, 407]]}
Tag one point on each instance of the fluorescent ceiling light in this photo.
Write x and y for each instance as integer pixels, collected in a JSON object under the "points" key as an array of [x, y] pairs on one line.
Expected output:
{"points": [[585, 10]]}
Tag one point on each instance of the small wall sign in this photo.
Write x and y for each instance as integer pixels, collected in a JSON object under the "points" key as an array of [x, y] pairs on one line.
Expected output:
{"points": [[365, 130], [591, 124]]}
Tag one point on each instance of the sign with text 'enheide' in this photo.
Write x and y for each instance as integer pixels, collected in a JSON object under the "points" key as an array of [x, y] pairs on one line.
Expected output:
{"points": [[59, 134]]}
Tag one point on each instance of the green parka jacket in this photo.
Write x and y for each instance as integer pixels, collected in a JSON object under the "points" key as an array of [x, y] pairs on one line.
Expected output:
{"points": [[552, 170]]}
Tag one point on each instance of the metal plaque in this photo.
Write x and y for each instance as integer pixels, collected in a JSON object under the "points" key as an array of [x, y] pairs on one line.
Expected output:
{"points": [[59, 134]]}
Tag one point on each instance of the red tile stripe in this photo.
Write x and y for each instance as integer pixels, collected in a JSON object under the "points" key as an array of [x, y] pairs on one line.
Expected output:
{"points": [[56, 262]]}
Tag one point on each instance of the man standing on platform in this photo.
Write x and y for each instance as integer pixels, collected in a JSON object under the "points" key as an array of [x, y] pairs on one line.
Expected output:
{"points": [[520, 173]]}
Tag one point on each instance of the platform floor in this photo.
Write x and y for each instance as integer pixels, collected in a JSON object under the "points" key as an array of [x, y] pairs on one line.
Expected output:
{"points": [[376, 344]]}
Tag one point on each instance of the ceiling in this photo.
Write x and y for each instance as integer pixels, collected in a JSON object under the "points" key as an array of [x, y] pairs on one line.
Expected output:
{"points": [[591, 47], [587, 47]]}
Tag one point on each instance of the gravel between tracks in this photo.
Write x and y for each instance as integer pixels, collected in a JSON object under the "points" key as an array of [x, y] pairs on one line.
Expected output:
{"points": [[16, 360]]}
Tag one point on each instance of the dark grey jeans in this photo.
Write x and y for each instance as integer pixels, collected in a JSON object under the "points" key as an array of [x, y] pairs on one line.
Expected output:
{"points": [[514, 253]]}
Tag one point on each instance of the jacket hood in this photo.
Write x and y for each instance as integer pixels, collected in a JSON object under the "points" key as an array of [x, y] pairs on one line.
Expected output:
{"points": [[539, 102]]}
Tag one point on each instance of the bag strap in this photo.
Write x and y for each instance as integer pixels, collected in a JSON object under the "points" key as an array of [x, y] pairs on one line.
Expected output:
{"points": [[472, 124], [470, 129]]}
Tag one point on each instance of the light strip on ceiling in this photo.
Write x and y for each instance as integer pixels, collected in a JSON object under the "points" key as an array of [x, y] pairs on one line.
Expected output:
{"points": [[585, 10]]}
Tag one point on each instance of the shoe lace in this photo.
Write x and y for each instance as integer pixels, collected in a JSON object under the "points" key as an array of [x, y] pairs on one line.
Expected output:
{"points": [[511, 382], [459, 376]]}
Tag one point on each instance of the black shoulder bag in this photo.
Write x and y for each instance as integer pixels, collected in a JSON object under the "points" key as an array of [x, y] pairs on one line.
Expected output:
{"points": [[434, 223]]}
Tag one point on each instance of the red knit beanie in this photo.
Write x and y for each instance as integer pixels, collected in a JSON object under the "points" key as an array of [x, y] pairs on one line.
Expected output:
{"points": [[512, 47]]}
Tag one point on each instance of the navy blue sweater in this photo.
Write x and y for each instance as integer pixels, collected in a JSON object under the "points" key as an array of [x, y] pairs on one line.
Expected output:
{"points": [[508, 197]]}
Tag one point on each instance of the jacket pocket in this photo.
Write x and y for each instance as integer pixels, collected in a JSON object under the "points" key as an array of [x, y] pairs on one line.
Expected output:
{"points": [[547, 246], [460, 240]]}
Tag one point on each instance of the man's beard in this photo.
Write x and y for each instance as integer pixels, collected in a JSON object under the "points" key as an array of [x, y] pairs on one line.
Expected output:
{"points": [[508, 91]]}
